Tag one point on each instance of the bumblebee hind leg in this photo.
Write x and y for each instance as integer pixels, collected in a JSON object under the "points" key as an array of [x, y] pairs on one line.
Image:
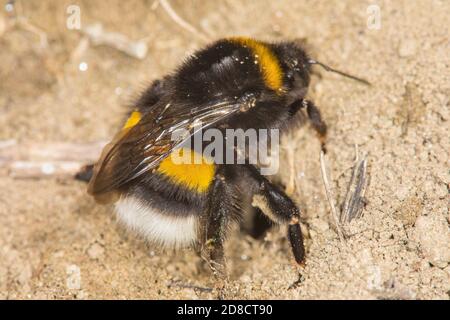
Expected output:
{"points": [[85, 173], [257, 224], [278, 207], [221, 207]]}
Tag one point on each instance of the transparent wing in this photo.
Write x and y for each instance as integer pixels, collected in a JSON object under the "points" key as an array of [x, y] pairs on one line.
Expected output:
{"points": [[141, 148]]}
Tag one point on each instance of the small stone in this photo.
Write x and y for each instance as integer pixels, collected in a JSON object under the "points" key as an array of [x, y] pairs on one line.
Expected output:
{"points": [[2, 25], [245, 279], [40, 296], [374, 277], [118, 91], [319, 89], [9, 7], [447, 270], [409, 210], [48, 168], [321, 225], [83, 66], [95, 251], [25, 274], [313, 234], [442, 191], [433, 235], [428, 187], [171, 269], [81, 295], [402, 192], [407, 48]]}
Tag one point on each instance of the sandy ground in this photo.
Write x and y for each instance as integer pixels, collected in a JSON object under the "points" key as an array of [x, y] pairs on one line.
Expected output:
{"points": [[56, 243]]}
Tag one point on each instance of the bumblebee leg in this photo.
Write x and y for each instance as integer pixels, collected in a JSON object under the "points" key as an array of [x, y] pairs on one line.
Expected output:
{"points": [[316, 120], [274, 203], [295, 106], [216, 218], [85, 173], [258, 224]]}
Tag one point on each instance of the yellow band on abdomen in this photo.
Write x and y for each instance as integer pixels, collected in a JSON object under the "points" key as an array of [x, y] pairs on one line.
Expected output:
{"points": [[189, 169]]}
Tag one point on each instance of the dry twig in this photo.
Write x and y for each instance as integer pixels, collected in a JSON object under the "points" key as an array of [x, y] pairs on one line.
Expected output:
{"points": [[181, 22], [40, 160], [21, 22], [179, 284], [98, 36]]}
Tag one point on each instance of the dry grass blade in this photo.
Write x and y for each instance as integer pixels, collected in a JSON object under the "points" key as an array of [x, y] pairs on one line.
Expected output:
{"points": [[330, 196], [355, 198]]}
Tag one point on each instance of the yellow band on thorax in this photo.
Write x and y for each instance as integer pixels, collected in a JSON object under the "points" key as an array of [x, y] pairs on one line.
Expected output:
{"points": [[268, 63]]}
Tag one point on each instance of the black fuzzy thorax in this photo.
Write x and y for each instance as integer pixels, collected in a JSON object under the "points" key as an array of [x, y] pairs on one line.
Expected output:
{"points": [[223, 70]]}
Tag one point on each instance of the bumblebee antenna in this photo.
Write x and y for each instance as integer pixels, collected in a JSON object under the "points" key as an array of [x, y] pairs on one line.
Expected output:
{"points": [[327, 68]]}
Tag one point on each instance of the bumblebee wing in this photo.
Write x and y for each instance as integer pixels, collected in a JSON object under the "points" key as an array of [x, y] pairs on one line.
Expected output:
{"points": [[140, 148]]}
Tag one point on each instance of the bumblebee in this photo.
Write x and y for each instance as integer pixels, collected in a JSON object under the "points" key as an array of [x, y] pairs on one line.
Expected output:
{"points": [[234, 83]]}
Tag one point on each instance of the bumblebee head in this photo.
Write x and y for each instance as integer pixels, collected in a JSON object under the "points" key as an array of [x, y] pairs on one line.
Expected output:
{"points": [[296, 68], [296, 65]]}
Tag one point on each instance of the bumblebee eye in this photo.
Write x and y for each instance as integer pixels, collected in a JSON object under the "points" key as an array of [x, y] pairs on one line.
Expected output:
{"points": [[290, 77]]}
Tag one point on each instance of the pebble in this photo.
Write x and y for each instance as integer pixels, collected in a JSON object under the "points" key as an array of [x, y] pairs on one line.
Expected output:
{"points": [[95, 251], [447, 270], [245, 279], [81, 295], [321, 225], [433, 235], [2, 25], [402, 192], [25, 274], [407, 48], [442, 191]]}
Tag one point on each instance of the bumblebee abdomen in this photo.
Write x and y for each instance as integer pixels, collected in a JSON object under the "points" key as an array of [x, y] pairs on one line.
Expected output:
{"points": [[165, 206]]}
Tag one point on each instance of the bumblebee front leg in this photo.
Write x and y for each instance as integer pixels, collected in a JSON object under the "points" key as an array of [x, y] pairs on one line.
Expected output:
{"points": [[214, 224], [316, 120], [274, 203], [314, 117]]}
